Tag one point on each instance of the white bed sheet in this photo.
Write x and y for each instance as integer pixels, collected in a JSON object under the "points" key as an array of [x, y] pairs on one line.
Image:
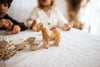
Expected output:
{"points": [[77, 49]]}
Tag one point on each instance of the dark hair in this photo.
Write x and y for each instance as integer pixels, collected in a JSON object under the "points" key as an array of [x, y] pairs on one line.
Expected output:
{"points": [[6, 1]]}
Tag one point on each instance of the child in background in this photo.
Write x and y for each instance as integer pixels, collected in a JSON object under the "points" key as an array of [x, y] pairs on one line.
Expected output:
{"points": [[49, 15], [6, 22]]}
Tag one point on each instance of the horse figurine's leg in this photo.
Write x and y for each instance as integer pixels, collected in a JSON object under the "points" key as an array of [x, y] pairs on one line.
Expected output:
{"points": [[46, 43]]}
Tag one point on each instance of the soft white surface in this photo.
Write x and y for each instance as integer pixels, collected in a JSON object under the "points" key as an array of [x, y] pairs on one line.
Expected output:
{"points": [[77, 49]]}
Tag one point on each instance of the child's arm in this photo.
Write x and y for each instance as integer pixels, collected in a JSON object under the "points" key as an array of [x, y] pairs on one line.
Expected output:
{"points": [[21, 25], [33, 16], [62, 22], [7, 23]]}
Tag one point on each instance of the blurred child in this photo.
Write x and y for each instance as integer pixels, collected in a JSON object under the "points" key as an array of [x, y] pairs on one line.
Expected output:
{"points": [[49, 15], [6, 22]]}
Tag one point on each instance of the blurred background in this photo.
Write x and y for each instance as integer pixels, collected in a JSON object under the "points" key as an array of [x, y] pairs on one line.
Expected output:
{"points": [[78, 11]]}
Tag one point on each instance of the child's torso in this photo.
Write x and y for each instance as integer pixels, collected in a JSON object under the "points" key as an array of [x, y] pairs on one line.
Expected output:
{"points": [[49, 18]]}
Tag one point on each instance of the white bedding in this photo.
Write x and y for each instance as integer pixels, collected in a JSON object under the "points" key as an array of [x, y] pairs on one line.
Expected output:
{"points": [[77, 49]]}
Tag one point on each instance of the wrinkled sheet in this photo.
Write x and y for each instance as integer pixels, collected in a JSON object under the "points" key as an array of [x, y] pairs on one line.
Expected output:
{"points": [[77, 49]]}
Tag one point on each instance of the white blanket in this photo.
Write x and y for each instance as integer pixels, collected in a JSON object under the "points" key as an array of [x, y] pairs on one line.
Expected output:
{"points": [[77, 49]]}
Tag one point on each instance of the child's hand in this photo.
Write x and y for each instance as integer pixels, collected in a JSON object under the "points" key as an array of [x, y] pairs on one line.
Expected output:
{"points": [[33, 24], [70, 25], [10, 25], [16, 29], [67, 27], [6, 23], [1, 25]]}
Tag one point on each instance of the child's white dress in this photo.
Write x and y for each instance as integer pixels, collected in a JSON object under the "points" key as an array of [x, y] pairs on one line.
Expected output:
{"points": [[49, 19]]}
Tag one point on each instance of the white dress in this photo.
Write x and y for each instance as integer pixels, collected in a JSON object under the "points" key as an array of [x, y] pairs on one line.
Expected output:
{"points": [[49, 19]]}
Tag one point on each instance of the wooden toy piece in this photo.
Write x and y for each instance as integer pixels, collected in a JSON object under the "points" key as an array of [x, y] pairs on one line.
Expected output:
{"points": [[47, 34], [20, 46], [5, 51], [30, 40], [34, 46]]}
